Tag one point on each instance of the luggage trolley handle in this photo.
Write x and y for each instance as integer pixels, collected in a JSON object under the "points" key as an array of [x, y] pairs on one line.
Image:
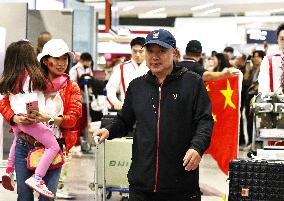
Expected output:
{"points": [[97, 139]]}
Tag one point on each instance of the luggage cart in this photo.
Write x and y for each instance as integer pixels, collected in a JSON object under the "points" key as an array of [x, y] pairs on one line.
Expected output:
{"points": [[112, 162], [117, 163], [268, 132]]}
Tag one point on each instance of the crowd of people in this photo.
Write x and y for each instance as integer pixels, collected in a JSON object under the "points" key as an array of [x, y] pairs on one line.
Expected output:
{"points": [[44, 101]]}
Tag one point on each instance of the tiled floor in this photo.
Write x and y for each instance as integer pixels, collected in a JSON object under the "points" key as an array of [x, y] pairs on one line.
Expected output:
{"points": [[212, 180]]}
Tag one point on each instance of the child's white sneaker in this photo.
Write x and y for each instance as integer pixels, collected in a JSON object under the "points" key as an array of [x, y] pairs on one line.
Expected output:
{"points": [[8, 181], [39, 186]]}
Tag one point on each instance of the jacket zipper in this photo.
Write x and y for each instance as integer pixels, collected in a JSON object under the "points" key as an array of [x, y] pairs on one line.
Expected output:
{"points": [[158, 140]]}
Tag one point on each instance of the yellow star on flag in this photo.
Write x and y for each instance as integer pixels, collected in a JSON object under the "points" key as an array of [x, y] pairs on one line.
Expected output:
{"points": [[214, 117], [228, 95], [207, 87]]}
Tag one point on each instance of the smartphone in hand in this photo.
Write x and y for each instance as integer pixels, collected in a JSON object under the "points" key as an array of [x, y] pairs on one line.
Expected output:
{"points": [[30, 106]]}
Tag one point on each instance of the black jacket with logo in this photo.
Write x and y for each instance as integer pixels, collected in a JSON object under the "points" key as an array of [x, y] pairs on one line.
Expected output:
{"points": [[170, 118]]}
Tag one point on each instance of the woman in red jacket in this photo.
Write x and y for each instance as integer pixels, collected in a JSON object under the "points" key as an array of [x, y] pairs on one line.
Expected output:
{"points": [[63, 109]]}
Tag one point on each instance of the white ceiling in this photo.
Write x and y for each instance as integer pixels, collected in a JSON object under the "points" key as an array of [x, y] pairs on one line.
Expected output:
{"points": [[183, 7]]}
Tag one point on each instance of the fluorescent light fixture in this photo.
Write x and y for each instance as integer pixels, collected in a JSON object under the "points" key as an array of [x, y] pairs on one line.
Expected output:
{"points": [[151, 12], [152, 16], [215, 10], [278, 10], [128, 8], [203, 6]]}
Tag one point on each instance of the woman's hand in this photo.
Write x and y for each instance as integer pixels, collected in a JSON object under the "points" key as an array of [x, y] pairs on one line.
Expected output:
{"points": [[39, 117], [23, 120]]}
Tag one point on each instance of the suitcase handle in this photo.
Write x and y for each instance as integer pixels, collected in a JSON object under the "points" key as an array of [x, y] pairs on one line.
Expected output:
{"points": [[97, 140]]}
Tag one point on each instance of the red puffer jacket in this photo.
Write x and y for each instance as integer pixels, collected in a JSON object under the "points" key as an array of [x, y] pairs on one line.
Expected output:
{"points": [[71, 98]]}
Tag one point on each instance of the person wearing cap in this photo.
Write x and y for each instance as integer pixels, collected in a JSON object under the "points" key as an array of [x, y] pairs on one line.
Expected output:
{"points": [[77, 73], [173, 116], [124, 73], [59, 103], [191, 62]]}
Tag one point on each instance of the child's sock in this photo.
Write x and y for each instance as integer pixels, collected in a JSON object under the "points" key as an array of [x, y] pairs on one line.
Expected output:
{"points": [[38, 177]]}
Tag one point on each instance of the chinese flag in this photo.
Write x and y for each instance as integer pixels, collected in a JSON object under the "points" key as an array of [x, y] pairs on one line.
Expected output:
{"points": [[225, 98]]}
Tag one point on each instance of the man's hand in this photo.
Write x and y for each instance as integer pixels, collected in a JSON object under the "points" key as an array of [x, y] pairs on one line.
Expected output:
{"points": [[191, 160], [118, 106], [102, 133]]}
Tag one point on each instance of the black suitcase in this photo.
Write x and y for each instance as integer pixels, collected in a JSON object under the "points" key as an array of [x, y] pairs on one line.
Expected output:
{"points": [[107, 120], [110, 118], [251, 180]]}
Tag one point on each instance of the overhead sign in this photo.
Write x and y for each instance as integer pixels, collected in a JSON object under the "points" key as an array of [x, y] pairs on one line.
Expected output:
{"points": [[260, 35]]}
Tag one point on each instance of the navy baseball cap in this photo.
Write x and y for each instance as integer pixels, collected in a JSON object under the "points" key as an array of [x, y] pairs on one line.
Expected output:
{"points": [[162, 38]]}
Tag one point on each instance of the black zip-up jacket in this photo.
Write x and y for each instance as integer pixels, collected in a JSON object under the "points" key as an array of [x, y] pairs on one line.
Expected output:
{"points": [[170, 118]]}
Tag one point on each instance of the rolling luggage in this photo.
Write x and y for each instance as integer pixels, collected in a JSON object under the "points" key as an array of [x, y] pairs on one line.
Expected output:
{"points": [[112, 161]]}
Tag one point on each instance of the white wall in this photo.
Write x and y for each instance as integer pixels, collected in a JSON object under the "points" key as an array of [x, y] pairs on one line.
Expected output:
{"points": [[216, 33], [2, 47], [14, 19], [120, 47]]}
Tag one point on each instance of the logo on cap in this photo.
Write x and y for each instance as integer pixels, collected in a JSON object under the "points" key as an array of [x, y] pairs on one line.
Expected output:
{"points": [[156, 35]]}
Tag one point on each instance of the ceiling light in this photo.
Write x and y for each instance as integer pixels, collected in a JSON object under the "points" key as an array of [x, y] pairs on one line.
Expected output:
{"points": [[279, 10], [147, 16], [215, 10], [200, 7], [128, 8], [151, 12]]}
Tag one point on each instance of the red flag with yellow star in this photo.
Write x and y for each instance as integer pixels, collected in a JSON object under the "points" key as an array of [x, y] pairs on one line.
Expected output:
{"points": [[225, 98]]}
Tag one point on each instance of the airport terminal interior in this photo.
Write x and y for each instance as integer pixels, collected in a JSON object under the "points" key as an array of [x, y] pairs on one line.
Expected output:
{"points": [[236, 47]]}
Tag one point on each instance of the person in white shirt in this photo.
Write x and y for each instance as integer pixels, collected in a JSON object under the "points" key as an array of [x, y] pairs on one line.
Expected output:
{"points": [[272, 68], [124, 73], [84, 66]]}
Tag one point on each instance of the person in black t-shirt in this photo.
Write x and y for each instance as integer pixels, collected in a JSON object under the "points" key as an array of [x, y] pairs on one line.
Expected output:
{"points": [[191, 62]]}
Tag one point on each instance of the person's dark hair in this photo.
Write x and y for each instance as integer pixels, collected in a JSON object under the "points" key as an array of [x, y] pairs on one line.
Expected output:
{"points": [[280, 28], [222, 62], [213, 53], [20, 56], [193, 46], [259, 52], [85, 56], [43, 38], [244, 57], [137, 41], [229, 49]]}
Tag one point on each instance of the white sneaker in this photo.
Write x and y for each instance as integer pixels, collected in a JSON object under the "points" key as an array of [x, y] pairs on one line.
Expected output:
{"points": [[64, 194], [39, 186], [8, 181], [77, 151]]}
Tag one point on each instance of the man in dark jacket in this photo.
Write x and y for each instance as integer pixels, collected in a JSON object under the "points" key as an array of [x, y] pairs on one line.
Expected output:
{"points": [[191, 62], [172, 112]]}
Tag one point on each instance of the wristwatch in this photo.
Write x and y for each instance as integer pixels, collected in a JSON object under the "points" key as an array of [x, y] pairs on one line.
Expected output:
{"points": [[50, 121]]}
